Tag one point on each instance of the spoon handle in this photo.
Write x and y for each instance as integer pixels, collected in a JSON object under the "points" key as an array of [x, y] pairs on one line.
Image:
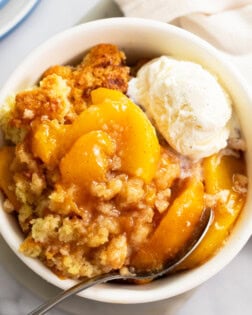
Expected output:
{"points": [[84, 284]]}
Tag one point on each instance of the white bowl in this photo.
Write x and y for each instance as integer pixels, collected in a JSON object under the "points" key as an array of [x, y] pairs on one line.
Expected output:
{"points": [[138, 38]]}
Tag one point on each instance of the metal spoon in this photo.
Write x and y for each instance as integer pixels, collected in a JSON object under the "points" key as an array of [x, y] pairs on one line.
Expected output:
{"points": [[197, 237]]}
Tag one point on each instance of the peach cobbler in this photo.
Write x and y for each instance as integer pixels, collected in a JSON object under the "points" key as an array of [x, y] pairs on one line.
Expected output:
{"points": [[107, 171]]}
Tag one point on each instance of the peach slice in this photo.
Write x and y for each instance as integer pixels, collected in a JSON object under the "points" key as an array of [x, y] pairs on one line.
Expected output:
{"points": [[88, 159], [175, 229], [47, 141], [137, 143], [102, 95], [219, 177]]}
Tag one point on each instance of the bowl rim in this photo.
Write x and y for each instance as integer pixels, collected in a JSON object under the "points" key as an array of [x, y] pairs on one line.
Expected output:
{"points": [[146, 293]]}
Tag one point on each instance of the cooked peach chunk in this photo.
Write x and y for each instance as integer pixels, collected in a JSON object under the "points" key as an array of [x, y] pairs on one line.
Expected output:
{"points": [[220, 174], [6, 176], [88, 159], [47, 141], [137, 143], [102, 95], [175, 229]]}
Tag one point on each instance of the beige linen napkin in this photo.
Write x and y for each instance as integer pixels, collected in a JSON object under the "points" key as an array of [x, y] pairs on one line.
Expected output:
{"points": [[226, 24]]}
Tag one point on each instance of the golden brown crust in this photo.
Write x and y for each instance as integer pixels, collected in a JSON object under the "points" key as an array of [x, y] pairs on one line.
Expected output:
{"points": [[104, 55], [50, 100], [103, 66], [63, 71]]}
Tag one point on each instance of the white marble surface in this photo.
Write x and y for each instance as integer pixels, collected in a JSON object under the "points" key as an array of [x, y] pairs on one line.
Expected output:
{"points": [[228, 293]]}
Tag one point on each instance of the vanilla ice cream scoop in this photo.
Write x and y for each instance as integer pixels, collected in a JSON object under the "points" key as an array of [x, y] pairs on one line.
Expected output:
{"points": [[186, 103]]}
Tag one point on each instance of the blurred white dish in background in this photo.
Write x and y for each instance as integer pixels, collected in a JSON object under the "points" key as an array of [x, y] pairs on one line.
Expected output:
{"points": [[14, 12], [3, 3]]}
